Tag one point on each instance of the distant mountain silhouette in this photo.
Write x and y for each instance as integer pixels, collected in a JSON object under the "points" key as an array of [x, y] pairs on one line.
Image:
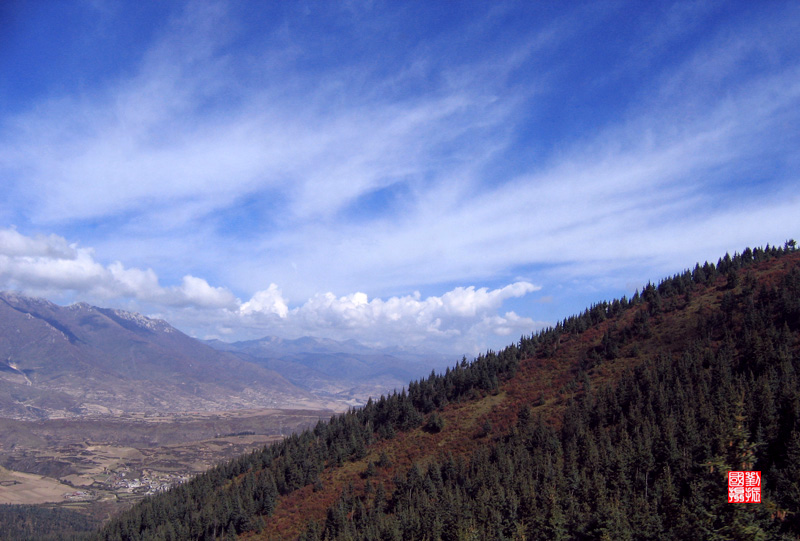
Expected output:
{"points": [[345, 371]]}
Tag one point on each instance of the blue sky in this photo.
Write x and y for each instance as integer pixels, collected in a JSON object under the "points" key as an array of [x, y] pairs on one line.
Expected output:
{"points": [[445, 175]]}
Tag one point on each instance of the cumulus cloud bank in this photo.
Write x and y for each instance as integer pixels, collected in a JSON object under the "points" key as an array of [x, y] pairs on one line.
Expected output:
{"points": [[50, 265], [458, 320]]}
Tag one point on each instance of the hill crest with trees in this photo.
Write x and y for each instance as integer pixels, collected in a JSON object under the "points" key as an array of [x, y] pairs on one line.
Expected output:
{"points": [[617, 423]]}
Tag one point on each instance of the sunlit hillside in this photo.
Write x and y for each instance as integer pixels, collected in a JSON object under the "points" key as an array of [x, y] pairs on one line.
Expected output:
{"points": [[621, 422]]}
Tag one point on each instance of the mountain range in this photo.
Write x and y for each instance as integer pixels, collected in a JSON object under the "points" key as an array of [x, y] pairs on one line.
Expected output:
{"points": [[82, 360], [78, 360]]}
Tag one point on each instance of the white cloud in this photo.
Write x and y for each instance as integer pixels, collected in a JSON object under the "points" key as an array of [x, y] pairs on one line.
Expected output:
{"points": [[135, 282], [437, 314], [12, 243], [46, 265], [267, 301], [467, 302], [461, 319], [197, 292], [46, 262], [510, 324]]}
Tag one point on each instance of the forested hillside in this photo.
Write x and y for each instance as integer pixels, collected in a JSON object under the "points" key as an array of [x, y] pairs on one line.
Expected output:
{"points": [[618, 423], [24, 522]]}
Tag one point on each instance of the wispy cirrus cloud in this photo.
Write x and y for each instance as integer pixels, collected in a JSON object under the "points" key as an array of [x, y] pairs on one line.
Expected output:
{"points": [[183, 137]]}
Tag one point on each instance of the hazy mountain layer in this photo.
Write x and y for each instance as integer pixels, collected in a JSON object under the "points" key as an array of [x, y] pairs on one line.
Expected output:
{"points": [[347, 371]]}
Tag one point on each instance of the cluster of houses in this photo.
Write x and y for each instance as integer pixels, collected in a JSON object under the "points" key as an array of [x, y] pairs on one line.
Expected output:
{"points": [[148, 484], [80, 496]]}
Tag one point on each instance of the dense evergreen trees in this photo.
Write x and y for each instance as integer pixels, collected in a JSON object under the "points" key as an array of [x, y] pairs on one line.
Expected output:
{"points": [[232, 497], [642, 457], [23, 522]]}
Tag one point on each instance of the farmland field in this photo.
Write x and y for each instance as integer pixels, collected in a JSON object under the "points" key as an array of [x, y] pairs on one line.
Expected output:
{"points": [[103, 464]]}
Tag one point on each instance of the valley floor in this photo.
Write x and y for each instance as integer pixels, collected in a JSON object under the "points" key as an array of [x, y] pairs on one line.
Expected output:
{"points": [[102, 465]]}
